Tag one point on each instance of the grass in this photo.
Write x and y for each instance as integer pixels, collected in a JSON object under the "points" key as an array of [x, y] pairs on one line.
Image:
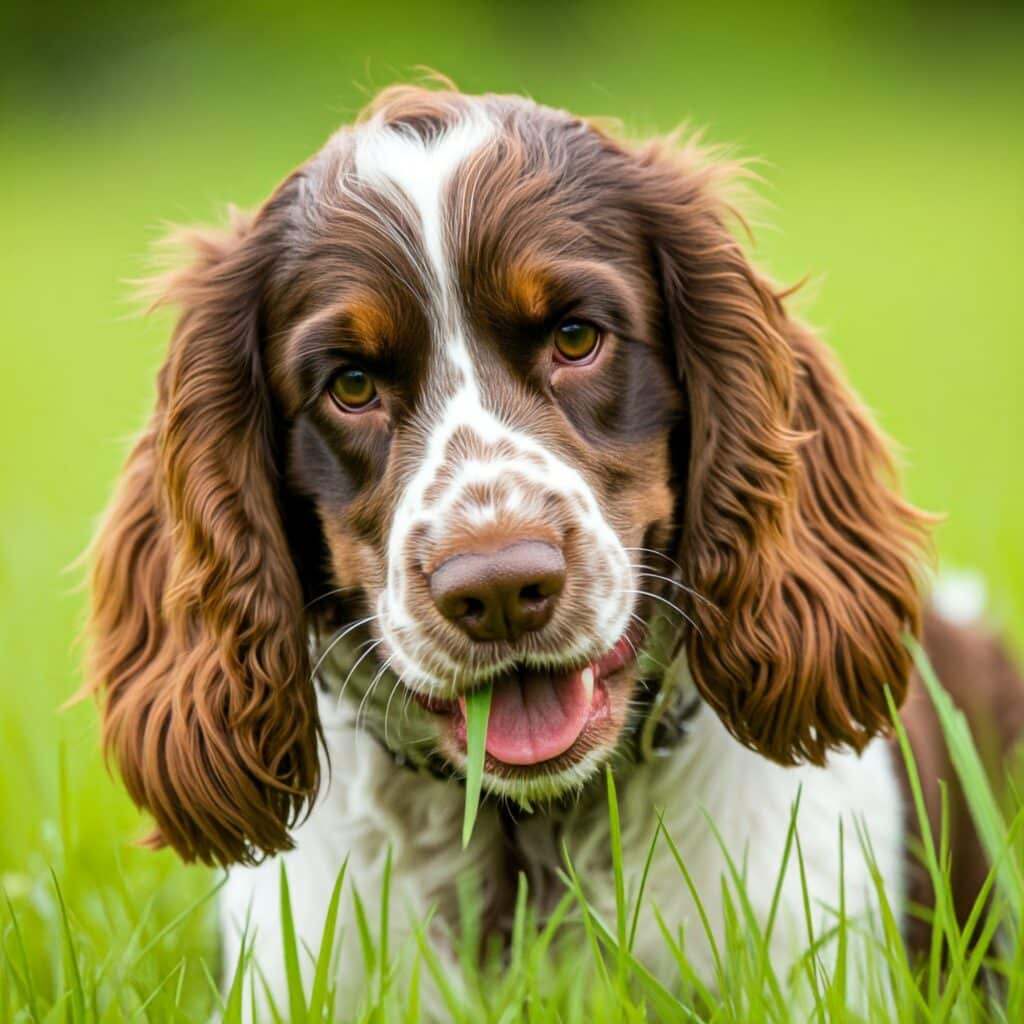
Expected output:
{"points": [[478, 709], [573, 965], [895, 167]]}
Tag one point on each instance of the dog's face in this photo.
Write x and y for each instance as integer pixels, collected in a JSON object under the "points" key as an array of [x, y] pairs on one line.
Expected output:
{"points": [[482, 399], [481, 390]]}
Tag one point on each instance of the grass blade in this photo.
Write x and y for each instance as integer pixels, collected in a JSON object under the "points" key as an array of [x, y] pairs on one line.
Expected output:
{"points": [[175, 921], [440, 973], [293, 972], [383, 955], [576, 887], [233, 1007], [698, 902], [366, 943], [478, 711], [984, 808], [23, 978], [642, 888], [318, 996], [75, 1008], [618, 873], [667, 1005]]}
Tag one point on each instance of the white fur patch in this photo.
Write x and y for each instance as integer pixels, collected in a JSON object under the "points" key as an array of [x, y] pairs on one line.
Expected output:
{"points": [[960, 597], [416, 172]]}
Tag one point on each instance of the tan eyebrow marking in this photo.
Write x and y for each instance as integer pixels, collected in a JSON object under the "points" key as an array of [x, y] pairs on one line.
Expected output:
{"points": [[360, 316], [370, 322], [527, 289]]}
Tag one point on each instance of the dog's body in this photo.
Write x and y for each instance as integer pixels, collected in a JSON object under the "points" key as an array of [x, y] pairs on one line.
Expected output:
{"points": [[711, 794], [483, 396]]}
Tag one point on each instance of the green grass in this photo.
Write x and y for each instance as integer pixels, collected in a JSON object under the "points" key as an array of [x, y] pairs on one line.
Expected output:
{"points": [[573, 965], [894, 163], [478, 710]]}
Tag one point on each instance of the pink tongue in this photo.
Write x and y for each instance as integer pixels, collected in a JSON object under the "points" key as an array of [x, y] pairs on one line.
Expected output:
{"points": [[536, 716]]}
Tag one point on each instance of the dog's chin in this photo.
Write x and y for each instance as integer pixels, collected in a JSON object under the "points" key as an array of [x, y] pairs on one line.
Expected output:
{"points": [[550, 730]]}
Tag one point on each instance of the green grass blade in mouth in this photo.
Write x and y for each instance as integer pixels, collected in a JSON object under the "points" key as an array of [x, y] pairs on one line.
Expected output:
{"points": [[478, 710]]}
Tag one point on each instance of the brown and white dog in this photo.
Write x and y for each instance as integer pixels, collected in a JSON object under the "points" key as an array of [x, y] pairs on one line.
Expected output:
{"points": [[483, 394]]}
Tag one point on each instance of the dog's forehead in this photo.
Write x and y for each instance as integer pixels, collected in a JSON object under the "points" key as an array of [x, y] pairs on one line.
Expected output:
{"points": [[479, 180], [416, 168], [451, 222], [412, 166]]}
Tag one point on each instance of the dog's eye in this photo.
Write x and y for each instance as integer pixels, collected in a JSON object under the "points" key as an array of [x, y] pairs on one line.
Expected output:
{"points": [[576, 341], [353, 389]]}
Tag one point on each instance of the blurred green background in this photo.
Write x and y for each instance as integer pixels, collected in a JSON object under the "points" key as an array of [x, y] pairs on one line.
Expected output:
{"points": [[894, 156]]}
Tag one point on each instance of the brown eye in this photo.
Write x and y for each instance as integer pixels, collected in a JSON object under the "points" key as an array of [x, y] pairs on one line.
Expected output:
{"points": [[353, 389], [576, 341]]}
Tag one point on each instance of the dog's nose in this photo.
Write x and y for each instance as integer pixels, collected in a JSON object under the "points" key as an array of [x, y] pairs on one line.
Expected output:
{"points": [[501, 594]]}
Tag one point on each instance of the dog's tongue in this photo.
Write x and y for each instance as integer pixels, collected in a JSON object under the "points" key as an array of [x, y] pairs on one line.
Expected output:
{"points": [[536, 716]]}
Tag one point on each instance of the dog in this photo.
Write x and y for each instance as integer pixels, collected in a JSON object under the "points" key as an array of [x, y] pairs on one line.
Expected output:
{"points": [[483, 395]]}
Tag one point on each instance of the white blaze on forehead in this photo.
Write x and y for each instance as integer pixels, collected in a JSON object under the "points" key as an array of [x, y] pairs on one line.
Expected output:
{"points": [[417, 170]]}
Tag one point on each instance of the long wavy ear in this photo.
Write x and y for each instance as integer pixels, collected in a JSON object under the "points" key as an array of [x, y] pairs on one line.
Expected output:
{"points": [[792, 528], [198, 643]]}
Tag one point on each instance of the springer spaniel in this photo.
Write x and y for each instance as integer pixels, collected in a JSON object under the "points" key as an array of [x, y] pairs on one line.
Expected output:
{"points": [[483, 394]]}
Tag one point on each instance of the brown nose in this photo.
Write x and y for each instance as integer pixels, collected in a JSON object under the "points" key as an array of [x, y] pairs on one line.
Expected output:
{"points": [[502, 594]]}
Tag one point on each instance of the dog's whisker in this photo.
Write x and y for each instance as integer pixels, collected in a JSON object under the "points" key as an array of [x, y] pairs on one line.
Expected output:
{"points": [[664, 600], [408, 693], [363, 705], [647, 654], [337, 638], [646, 570], [323, 597], [406, 698], [658, 554], [405, 702], [373, 646], [626, 637]]}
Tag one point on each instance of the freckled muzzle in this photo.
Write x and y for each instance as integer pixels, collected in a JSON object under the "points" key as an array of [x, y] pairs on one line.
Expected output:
{"points": [[506, 560], [512, 576]]}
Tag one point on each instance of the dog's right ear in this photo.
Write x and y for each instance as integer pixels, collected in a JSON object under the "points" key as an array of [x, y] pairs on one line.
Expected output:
{"points": [[793, 530], [197, 635]]}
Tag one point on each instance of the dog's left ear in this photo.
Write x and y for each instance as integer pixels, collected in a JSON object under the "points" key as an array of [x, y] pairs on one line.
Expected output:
{"points": [[792, 529], [198, 636]]}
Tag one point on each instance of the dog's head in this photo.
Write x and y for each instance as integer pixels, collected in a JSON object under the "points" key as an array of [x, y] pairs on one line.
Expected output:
{"points": [[476, 393]]}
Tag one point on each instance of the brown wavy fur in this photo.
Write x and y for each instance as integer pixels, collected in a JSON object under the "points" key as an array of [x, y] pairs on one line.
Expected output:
{"points": [[198, 635], [794, 530]]}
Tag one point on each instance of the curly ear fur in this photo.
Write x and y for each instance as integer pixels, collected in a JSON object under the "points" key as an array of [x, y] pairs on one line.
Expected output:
{"points": [[792, 527], [197, 630]]}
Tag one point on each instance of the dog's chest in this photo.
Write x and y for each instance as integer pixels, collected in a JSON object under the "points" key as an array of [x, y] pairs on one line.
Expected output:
{"points": [[712, 811], [717, 801]]}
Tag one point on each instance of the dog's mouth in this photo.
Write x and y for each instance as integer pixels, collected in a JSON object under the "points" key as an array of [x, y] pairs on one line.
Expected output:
{"points": [[546, 719]]}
